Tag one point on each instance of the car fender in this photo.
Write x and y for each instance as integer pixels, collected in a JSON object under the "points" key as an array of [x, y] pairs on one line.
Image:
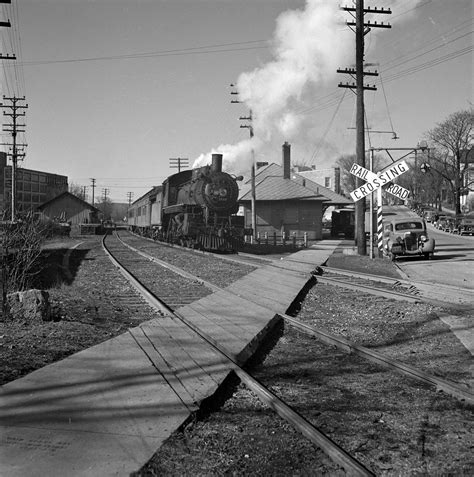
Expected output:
{"points": [[428, 246]]}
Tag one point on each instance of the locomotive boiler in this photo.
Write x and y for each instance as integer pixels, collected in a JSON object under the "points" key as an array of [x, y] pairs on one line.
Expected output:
{"points": [[195, 208]]}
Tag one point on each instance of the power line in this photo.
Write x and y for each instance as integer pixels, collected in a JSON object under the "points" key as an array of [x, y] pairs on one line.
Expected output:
{"points": [[414, 69], [429, 64], [426, 52], [323, 137], [175, 52]]}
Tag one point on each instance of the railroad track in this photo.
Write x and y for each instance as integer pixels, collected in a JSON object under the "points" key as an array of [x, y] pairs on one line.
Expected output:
{"points": [[120, 254], [175, 289], [336, 453]]}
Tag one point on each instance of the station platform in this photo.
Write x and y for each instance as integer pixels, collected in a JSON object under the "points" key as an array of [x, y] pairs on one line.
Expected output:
{"points": [[106, 410]]}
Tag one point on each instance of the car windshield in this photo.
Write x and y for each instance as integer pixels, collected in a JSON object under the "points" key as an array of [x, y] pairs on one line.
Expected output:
{"points": [[408, 226]]}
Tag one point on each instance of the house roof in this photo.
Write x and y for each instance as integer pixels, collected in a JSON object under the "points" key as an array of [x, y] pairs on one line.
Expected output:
{"points": [[270, 185], [66, 194]]}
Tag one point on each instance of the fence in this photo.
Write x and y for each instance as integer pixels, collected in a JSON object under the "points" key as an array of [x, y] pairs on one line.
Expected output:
{"points": [[273, 243]]}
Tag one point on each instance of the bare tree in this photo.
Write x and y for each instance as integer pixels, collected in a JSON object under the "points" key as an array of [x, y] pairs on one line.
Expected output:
{"points": [[345, 162], [424, 187], [105, 206], [77, 190], [453, 139], [21, 248]]}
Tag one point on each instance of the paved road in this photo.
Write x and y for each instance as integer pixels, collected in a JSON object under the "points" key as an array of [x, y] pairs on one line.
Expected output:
{"points": [[453, 263]]}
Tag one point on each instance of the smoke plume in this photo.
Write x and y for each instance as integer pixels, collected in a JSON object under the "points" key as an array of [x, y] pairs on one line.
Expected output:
{"points": [[307, 48]]}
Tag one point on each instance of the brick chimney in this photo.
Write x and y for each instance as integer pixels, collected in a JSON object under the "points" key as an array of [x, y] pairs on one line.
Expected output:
{"points": [[337, 180], [286, 161]]}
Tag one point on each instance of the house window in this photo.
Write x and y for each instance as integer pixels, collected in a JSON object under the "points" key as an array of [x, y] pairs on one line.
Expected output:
{"points": [[327, 182]]}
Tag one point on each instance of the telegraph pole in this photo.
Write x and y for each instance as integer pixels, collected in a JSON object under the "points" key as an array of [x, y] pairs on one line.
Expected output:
{"points": [[176, 162], [253, 196], [105, 193], [14, 129], [14, 125], [129, 198], [93, 190], [361, 29]]}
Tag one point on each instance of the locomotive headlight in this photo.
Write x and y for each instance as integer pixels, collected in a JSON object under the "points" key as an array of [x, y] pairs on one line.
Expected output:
{"points": [[423, 238]]}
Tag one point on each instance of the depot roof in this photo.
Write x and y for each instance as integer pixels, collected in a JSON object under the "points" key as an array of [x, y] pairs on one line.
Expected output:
{"points": [[271, 185]]}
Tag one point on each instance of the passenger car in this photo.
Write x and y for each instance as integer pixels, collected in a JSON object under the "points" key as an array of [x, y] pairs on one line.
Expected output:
{"points": [[407, 236], [464, 225]]}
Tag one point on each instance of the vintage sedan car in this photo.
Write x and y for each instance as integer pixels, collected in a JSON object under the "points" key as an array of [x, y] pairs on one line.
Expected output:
{"points": [[407, 236], [464, 225]]}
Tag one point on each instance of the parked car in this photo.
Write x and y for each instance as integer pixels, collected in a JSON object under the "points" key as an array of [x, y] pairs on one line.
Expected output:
{"points": [[407, 236], [441, 222], [431, 215], [450, 225], [464, 225]]}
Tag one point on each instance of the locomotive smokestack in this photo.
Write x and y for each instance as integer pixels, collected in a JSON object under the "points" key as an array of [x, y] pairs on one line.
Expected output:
{"points": [[216, 165], [286, 160]]}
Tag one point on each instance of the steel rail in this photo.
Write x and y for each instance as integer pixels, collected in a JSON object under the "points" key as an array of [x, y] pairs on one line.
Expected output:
{"points": [[346, 345], [178, 271], [366, 276], [336, 453], [371, 290]]}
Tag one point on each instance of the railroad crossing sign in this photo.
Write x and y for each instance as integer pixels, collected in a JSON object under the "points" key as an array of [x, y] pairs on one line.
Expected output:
{"points": [[376, 181]]}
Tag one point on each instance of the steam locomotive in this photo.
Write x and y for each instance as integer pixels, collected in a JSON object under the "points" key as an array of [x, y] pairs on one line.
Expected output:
{"points": [[193, 208]]}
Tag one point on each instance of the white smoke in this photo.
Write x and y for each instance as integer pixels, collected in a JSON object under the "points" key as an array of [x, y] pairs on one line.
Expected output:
{"points": [[308, 47], [236, 157]]}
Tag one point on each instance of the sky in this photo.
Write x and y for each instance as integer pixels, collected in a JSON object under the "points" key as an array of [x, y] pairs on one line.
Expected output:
{"points": [[116, 88]]}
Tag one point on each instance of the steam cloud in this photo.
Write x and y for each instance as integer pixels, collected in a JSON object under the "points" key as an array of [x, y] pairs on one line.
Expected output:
{"points": [[308, 46]]}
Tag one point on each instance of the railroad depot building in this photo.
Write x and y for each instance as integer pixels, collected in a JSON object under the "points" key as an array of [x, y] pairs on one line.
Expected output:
{"points": [[287, 202], [67, 207], [33, 188]]}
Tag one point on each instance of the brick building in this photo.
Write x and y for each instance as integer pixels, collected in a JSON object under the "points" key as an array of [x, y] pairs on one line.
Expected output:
{"points": [[33, 187]]}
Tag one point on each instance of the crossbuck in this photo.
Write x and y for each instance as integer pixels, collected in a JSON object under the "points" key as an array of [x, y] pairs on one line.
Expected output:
{"points": [[375, 182]]}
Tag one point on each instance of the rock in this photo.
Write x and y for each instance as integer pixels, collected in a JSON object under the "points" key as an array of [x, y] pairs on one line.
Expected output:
{"points": [[29, 305]]}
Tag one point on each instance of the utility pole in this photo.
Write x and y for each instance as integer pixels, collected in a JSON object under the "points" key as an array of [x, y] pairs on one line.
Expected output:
{"points": [[176, 162], [105, 207], [253, 196], [8, 25], [14, 125], [93, 190], [361, 29], [129, 198], [84, 189], [14, 129]]}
